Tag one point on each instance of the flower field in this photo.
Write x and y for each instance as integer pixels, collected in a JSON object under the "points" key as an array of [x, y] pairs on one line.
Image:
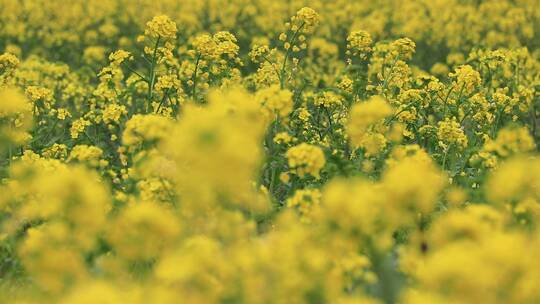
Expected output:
{"points": [[257, 151]]}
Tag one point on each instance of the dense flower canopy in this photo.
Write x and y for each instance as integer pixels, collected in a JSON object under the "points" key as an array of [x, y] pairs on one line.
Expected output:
{"points": [[256, 151]]}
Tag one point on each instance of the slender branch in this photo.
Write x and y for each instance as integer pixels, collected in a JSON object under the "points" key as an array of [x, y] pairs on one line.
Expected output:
{"points": [[136, 73], [165, 95], [194, 78], [153, 70], [291, 42]]}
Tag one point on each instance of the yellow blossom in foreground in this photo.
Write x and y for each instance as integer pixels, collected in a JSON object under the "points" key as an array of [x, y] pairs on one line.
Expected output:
{"points": [[516, 184], [511, 141], [216, 149], [15, 117], [85, 153], [356, 207], [145, 128], [143, 230], [466, 271], [304, 201], [413, 186], [275, 102], [364, 115]]}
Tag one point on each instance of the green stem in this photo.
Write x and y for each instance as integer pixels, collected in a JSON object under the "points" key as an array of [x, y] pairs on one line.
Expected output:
{"points": [[445, 157], [388, 285], [153, 71], [165, 95], [136, 73], [194, 79], [291, 43]]}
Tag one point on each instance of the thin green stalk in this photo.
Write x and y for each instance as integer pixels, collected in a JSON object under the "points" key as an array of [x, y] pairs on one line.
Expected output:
{"points": [[194, 78], [165, 95], [153, 70], [445, 157], [291, 43], [136, 73]]}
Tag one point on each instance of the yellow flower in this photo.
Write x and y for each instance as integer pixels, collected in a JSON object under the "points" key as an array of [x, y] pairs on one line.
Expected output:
{"points": [[346, 84], [58, 151], [373, 143], [466, 79], [328, 100], [143, 230], [359, 44], [145, 128], [12, 102], [85, 153], [284, 177], [413, 186], [514, 181], [305, 20], [119, 56], [63, 114], [216, 150], [511, 140], [404, 48], [15, 117], [113, 112], [357, 207], [449, 132], [162, 27], [304, 201], [364, 115], [213, 47], [78, 127], [8, 62], [275, 102], [306, 159], [283, 138]]}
